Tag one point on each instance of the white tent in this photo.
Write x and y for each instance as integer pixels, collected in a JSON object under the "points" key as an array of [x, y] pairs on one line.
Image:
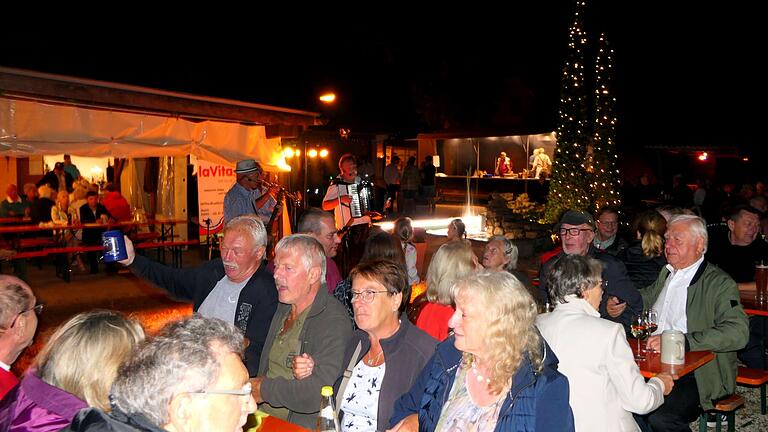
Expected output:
{"points": [[30, 128]]}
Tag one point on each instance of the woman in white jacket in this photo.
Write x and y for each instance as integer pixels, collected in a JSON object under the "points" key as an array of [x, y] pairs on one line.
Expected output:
{"points": [[606, 385]]}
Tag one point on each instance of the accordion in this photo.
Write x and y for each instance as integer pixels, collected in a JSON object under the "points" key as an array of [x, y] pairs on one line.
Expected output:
{"points": [[362, 198]]}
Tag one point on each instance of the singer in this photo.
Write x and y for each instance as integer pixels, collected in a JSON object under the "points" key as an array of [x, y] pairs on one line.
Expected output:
{"points": [[339, 199]]}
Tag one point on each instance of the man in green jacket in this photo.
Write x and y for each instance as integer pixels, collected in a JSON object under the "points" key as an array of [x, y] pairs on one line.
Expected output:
{"points": [[308, 322], [702, 301]]}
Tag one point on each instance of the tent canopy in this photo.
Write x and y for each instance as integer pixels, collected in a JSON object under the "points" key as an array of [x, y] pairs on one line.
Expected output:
{"points": [[35, 128]]}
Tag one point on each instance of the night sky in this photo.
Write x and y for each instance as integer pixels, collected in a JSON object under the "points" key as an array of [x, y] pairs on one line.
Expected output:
{"points": [[684, 74]]}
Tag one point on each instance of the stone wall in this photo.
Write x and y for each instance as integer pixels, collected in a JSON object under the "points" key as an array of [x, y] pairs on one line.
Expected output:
{"points": [[500, 219]]}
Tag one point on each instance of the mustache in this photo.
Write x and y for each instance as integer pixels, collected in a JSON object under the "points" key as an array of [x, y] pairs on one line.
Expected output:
{"points": [[230, 264]]}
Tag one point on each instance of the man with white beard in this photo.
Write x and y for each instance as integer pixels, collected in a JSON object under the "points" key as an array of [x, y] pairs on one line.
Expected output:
{"points": [[235, 288]]}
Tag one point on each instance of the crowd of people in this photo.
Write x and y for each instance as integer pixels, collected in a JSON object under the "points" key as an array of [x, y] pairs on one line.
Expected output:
{"points": [[334, 307], [63, 198]]}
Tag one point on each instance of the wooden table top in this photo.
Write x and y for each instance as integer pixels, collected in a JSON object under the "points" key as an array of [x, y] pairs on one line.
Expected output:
{"points": [[751, 306], [652, 364]]}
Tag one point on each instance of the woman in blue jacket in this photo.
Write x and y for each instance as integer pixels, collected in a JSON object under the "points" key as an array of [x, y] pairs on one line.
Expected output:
{"points": [[495, 373]]}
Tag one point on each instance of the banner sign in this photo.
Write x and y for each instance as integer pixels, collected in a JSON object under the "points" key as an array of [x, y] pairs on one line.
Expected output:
{"points": [[213, 183]]}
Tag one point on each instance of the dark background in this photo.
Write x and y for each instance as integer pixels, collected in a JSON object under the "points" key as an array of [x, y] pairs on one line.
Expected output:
{"points": [[686, 74]]}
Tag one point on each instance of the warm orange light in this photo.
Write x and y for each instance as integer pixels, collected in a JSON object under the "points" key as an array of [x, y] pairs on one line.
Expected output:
{"points": [[288, 153], [328, 98], [298, 152], [703, 156], [323, 153], [312, 153], [746, 159]]}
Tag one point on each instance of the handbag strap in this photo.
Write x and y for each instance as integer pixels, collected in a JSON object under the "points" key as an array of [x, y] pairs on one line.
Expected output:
{"points": [[347, 375]]}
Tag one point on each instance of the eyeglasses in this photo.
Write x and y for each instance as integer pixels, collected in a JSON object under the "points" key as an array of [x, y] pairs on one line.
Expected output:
{"points": [[38, 308], [245, 391], [608, 224], [573, 232], [365, 296]]}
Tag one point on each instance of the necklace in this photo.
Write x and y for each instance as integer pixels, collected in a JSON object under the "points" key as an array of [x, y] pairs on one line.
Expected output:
{"points": [[479, 376], [372, 360]]}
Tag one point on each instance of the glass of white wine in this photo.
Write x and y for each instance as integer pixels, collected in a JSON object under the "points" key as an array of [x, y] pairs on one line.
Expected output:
{"points": [[640, 332], [651, 321]]}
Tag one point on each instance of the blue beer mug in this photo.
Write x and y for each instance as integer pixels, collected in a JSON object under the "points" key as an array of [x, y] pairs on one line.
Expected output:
{"points": [[114, 246]]}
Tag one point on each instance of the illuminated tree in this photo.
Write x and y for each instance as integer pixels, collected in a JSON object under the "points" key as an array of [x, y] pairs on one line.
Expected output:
{"points": [[604, 183], [569, 187]]}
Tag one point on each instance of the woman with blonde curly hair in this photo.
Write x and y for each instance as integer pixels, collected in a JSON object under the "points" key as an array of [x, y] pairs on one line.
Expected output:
{"points": [[454, 260], [495, 373], [74, 370]]}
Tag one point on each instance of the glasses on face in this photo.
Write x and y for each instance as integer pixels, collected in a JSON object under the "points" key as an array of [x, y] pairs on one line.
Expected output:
{"points": [[573, 232], [608, 223], [245, 391], [38, 308], [364, 296]]}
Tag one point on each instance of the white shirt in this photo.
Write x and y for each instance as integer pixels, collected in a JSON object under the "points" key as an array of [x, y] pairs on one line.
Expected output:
{"points": [[361, 398], [5, 366], [673, 299], [342, 212], [392, 174], [411, 256]]}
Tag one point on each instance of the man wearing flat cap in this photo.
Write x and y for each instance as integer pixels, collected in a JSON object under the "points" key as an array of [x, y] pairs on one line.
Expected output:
{"points": [[247, 196], [577, 230]]}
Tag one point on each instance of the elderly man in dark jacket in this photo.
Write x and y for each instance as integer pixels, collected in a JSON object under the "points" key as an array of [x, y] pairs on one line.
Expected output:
{"points": [[577, 230], [235, 288]]}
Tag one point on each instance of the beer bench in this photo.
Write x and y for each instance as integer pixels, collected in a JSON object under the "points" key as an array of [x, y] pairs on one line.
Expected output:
{"points": [[173, 246], [63, 268], [754, 378], [727, 406]]}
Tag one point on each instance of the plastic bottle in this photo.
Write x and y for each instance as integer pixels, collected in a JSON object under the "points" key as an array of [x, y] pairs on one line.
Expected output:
{"points": [[327, 421]]}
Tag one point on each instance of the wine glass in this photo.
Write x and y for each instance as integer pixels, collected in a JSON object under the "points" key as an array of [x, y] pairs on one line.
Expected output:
{"points": [[639, 331], [651, 321]]}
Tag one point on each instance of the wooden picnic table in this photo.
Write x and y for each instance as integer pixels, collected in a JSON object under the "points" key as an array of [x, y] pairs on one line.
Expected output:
{"points": [[751, 306], [652, 364]]}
